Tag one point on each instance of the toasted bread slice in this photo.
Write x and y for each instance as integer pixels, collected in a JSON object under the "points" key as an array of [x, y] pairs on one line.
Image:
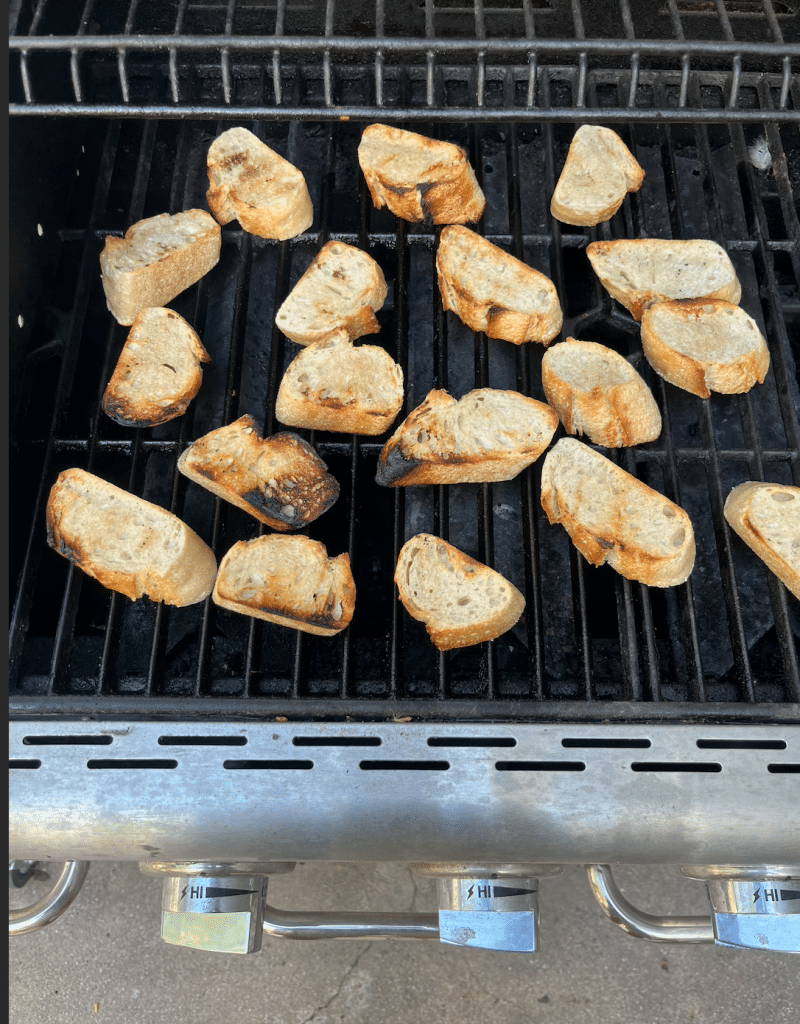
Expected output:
{"points": [[767, 518], [289, 581], [126, 543], [639, 272], [613, 517], [156, 260], [253, 184], [461, 601], [598, 173], [341, 290], [598, 393], [158, 372], [704, 346], [494, 292], [335, 385], [280, 479], [486, 435], [419, 178]]}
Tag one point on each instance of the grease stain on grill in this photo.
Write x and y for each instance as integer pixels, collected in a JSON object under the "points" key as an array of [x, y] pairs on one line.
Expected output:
{"points": [[202, 741], [540, 766], [612, 743], [22, 762], [404, 766], [57, 741], [132, 762], [742, 744], [471, 741], [266, 765], [676, 766], [336, 741]]}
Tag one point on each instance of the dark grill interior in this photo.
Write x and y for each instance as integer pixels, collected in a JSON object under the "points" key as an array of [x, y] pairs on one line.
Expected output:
{"points": [[728, 635]]}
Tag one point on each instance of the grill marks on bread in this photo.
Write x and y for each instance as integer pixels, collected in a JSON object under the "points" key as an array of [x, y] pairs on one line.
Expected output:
{"points": [[419, 179], [767, 518], [290, 581], [280, 480], [493, 292], [461, 601], [158, 372], [253, 184]]}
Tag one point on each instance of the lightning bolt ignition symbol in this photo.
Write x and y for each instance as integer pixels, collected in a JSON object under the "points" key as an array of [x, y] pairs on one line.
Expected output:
{"points": [[756, 894], [469, 894], [184, 891]]}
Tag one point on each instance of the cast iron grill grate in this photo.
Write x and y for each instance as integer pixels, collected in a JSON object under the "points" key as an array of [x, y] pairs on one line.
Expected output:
{"points": [[728, 636]]}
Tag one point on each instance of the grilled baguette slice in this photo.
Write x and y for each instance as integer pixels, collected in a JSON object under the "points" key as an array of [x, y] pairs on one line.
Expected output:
{"points": [[158, 372], [280, 479], [613, 517], [486, 435], [126, 543], [156, 260], [334, 385], [289, 581], [704, 346], [253, 184], [494, 292], [419, 178], [639, 272], [767, 518], [461, 601], [598, 173], [342, 289], [598, 393]]}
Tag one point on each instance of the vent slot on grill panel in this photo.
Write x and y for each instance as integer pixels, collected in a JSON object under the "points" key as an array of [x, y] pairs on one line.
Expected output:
{"points": [[202, 741], [137, 763], [65, 741], [268, 765], [404, 766], [336, 741], [742, 744], [676, 766], [486, 742], [612, 743], [540, 766]]}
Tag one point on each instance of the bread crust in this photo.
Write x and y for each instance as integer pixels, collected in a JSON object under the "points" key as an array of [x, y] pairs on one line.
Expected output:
{"points": [[597, 175], [698, 269], [433, 446], [158, 258], [766, 517], [490, 307], [466, 582], [279, 480], [434, 183], [100, 528], [611, 414], [290, 581], [612, 517], [253, 184], [146, 389], [706, 320]]}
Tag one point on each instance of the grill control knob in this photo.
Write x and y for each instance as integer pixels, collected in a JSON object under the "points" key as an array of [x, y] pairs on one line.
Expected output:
{"points": [[490, 913]]}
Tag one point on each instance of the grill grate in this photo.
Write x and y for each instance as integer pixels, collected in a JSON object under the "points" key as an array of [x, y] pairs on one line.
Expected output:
{"points": [[727, 637]]}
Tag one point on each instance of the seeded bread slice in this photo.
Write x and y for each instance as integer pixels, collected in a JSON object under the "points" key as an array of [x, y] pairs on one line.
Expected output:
{"points": [[598, 173], [419, 178], [461, 601], [613, 517], [598, 393], [158, 372], [494, 292], [640, 272], [289, 581], [334, 385], [767, 518], [705, 346], [253, 184], [342, 289], [126, 543], [280, 479], [156, 260], [486, 435]]}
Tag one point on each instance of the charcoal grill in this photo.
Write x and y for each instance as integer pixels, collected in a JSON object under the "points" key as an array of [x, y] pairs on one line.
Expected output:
{"points": [[611, 704]]}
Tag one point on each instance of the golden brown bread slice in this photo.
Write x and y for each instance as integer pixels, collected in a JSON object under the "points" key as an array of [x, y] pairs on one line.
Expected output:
{"points": [[613, 517], [280, 479], [704, 346], [335, 385], [156, 260], [341, 289], [767, 518], [253, 184], [598, 173], [598, 393], [158, 372], [642, 271], [487, 435], [494, 292], [289, 581], [461, 601], [126, 543], [419, 178]]}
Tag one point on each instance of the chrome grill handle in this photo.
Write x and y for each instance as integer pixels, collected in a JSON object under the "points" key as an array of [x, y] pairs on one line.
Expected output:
{"points": [[301, 924], [53, 904]]}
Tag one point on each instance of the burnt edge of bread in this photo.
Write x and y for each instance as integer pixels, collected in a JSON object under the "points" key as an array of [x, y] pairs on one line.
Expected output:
{"points": [[115, 408]]}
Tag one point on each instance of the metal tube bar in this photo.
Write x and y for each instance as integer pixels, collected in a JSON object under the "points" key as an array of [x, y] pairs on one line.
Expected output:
{"points": [[304, 924], [53, 904]]}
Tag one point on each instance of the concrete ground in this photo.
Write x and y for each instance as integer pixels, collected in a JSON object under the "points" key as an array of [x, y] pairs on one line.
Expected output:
{"points": [[103, 960]]}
